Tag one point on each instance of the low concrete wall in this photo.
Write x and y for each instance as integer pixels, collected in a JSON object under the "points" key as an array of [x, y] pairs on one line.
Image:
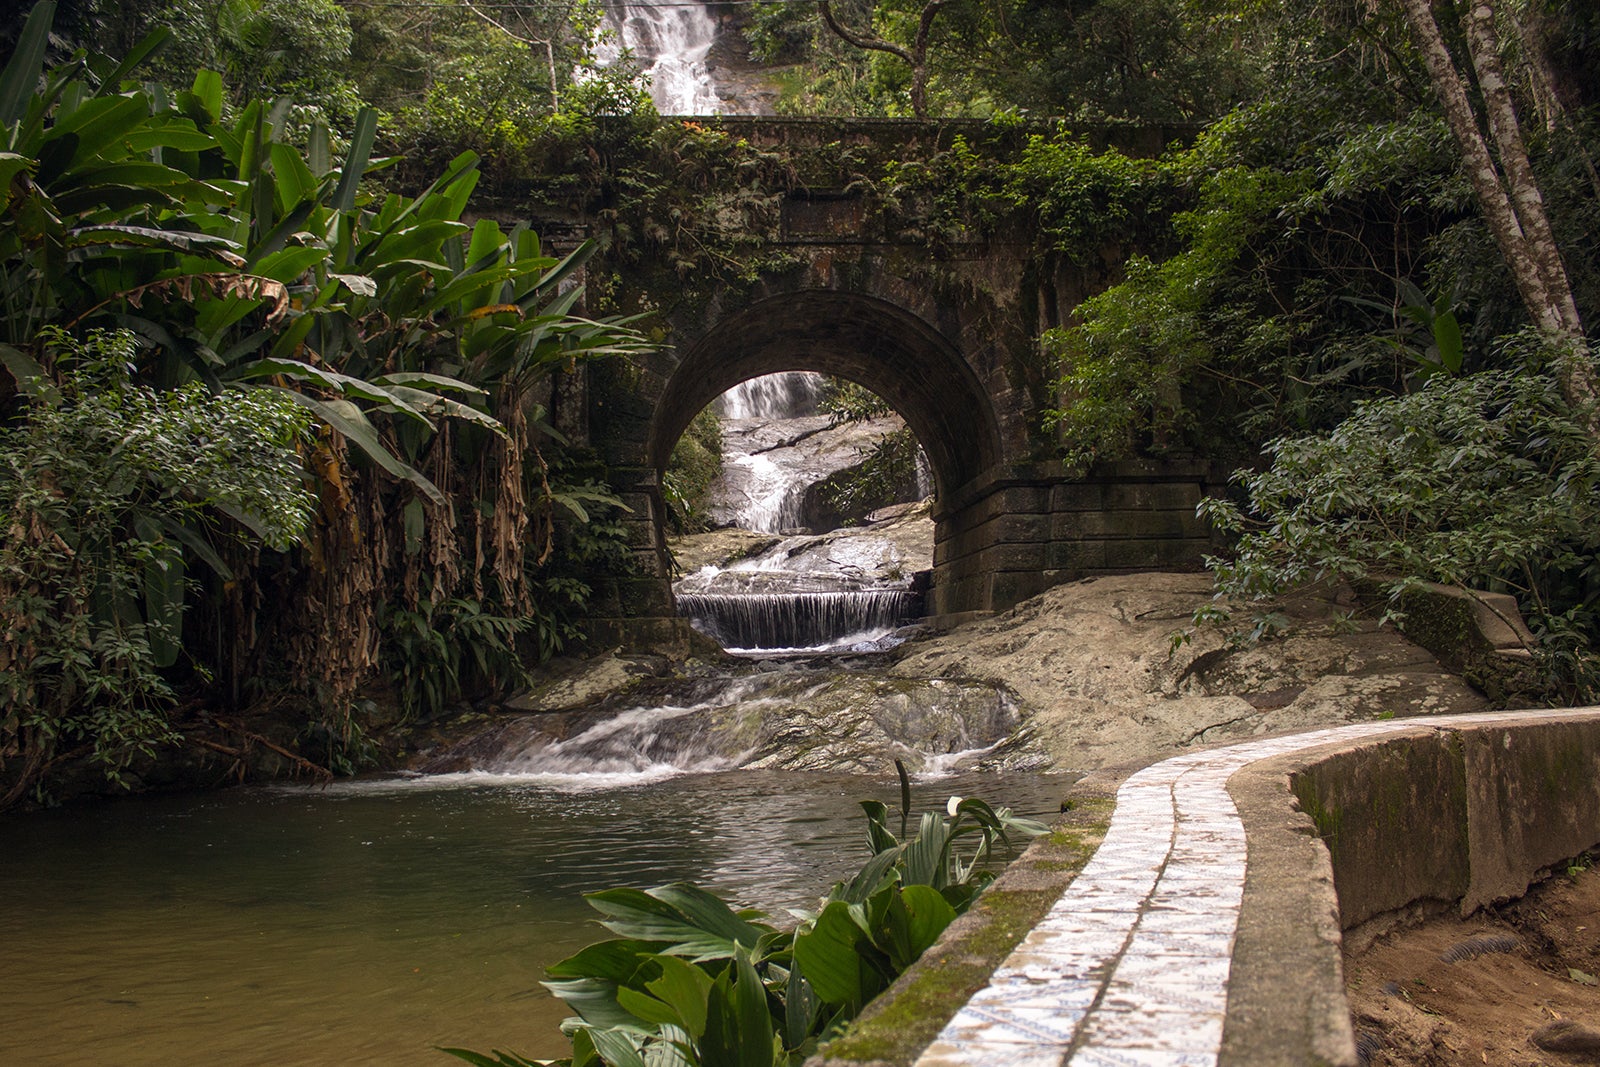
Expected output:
{"points": [[1433, 814], [1466, 817], [1344, 840]]}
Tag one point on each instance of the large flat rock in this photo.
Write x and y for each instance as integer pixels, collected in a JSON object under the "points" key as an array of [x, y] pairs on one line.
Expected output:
{"points": [[1101, 680]]}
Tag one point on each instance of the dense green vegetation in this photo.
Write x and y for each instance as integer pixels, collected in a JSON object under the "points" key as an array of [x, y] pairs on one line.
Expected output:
{"points": [[1367, 270], [695, 462], [1143, 60], [324, 405], [277, 439], [1383, 209]]}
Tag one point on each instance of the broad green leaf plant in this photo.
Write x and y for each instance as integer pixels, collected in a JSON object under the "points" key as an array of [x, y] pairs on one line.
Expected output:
{"points": [[690, 981], [237, 264]]}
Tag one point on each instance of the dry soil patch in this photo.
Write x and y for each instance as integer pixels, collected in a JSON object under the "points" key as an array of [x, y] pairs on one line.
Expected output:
{"points": [[1490, 989]]}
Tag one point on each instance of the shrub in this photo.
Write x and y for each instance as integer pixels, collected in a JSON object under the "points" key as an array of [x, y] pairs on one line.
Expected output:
{"points": [[110, 492], [1482, 481]]}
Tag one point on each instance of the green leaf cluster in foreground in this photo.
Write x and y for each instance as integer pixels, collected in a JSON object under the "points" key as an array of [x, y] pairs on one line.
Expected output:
{"points": [[691, 981]]}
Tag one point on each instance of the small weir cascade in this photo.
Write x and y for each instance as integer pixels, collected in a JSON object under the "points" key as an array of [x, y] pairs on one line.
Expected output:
{"points": [[805, 590]]}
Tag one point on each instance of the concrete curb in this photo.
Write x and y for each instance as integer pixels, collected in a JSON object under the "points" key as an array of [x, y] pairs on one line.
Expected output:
{"points": [[1207, 928]]}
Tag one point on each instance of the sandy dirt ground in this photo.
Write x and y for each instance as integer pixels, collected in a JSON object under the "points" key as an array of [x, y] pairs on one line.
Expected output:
{"points": [[1511, 987]]}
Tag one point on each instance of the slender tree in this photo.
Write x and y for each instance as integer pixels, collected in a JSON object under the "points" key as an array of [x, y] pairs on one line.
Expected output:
{"points": [[1509, 193]]}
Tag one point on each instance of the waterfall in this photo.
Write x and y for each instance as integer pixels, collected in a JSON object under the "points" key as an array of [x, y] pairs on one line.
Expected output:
{"points": [[823, 592], [788, 395], [775, 498], [771, 495], [790, 621], [792, 716], [670, 40]]}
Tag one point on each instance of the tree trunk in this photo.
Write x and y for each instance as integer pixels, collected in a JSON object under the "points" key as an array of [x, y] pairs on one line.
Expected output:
{"points": [[916, 57], [1509, 196], [1483, 44]]}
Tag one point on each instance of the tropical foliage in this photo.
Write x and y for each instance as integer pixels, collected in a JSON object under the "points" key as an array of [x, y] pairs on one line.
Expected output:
{"points": [[1141, 60], [110, 492], [1485, 481], [1339, 298], [695, 462], [690, 980], [237, 262]]}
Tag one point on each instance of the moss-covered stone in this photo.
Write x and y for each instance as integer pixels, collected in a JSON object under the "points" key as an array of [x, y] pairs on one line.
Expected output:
{"points": [[1480, 636], [897, 1026]]}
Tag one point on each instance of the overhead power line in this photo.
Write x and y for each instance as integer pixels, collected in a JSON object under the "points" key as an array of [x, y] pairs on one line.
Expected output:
{"points": [[413, 5]]}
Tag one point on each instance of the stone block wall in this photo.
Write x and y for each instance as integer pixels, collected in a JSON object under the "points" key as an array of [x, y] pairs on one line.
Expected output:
{"points": [[1017, 536]]}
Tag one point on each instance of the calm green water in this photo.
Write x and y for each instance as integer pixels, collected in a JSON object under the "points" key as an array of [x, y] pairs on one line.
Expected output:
{"points": [[368, 923]]}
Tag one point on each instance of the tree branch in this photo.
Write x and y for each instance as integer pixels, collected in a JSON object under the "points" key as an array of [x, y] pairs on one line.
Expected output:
{"points": [[546, 43], [870, 43]]}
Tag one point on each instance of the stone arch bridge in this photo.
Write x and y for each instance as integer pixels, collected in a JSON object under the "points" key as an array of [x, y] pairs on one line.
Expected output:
{"points": [[945, 334]]}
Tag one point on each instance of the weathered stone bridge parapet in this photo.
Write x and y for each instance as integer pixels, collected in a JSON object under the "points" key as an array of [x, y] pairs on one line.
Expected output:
{"points": [[946, 331], [1011, 537], [912, 135]]}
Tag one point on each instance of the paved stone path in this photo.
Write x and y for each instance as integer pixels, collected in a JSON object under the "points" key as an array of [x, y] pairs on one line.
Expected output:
{"points": [[1130, 966]]}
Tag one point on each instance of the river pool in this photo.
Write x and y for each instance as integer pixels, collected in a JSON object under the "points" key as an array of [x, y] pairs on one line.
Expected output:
{"points": [[370, 921]]}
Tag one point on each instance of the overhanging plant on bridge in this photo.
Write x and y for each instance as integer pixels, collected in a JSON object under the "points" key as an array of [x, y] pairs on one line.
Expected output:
{"points": [[243, 262]]}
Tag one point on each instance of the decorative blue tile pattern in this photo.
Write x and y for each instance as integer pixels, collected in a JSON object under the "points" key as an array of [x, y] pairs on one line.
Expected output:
{"points": [[1130, 967]]}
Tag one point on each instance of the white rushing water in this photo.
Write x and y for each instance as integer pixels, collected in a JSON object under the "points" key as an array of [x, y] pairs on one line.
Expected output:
{"points": [[770, 494], [810, 592], [786, 395], [670, 40]]}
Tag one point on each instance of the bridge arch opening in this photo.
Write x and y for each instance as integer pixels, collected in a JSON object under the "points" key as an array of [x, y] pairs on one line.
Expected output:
{"points": [[884, 348]]}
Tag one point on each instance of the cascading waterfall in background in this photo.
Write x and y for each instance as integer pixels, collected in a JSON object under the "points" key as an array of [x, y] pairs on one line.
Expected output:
{"points": [[808, 592], [773, 493], [670, 40], [786, 395]]}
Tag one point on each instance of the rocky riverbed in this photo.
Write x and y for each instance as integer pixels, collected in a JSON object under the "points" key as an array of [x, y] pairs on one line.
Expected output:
{"points": [[1103, 678], [1086, 676]]}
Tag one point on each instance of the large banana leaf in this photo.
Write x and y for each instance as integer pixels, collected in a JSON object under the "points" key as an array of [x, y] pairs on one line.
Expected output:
{"points": [[739, 1026], [836, 954]]}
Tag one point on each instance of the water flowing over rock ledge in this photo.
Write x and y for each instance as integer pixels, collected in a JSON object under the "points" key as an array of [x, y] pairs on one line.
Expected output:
{"points": [[786, 718]]}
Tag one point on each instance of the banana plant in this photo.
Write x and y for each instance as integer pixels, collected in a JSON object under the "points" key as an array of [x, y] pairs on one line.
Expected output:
{"points": [[81, 167], [241, 261]]}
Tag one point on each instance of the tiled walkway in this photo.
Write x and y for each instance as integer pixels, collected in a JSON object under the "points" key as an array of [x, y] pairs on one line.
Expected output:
{"points": [[1130, 967]]}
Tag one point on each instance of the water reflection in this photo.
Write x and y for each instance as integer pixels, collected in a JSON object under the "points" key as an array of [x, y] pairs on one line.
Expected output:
{"points": [[369, 923]]}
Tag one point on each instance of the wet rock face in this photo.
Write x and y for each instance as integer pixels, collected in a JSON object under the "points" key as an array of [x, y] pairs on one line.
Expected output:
{"points": [[774, 719], [771, 466], [882, 554], [862, 723], [744, 85], [1082, 677]]}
